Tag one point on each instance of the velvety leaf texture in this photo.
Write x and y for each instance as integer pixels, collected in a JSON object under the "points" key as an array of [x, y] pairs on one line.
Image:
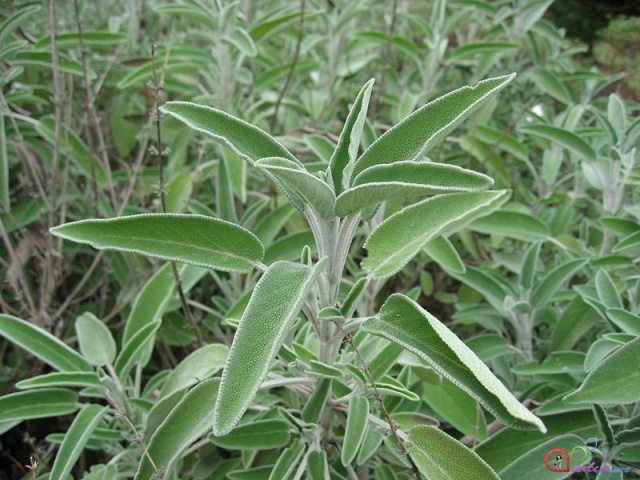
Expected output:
{"points": [[404, 322], [441, 457], [415, 135], [274, 304], [195, 239], [407, 179], [401, 236]]}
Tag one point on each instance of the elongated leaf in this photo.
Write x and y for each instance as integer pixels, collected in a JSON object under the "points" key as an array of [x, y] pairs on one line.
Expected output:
{"points": [[189, 420], [407, 179], [260, 435], [197, 366], [615, 381], [344, 156], [442, 251], [357, 421], [317, 466], [553, 281], [404, 322], [416, 134], [41, 403], [250, 142], [76, 439], [512, 224], [274, 304], [402, 235], [441, 457], [314, 191], [568, 140], [95, 340], [626, 321], [15, 20], [62, 379], [288, 461], [195, 239], [42, 345], [606, 289], [315, 405], [132, 352], [44, 59], [551, 84], [5, 203]]}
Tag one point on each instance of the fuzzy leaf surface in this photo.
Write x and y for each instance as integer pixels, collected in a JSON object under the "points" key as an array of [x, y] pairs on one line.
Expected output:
{"points": [[401, 236], [404, 322], [195, 239], [274, 304], [416, 134], [407, 179]]}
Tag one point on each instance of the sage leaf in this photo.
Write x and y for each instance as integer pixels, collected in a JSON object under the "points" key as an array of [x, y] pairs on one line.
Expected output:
{"points": [[95, 340], [357, 421], [260, 435], [189, 420], [288, 461], [43, 345], [512, 224], [614, 381], [404, 322], [312, 189], [276, 300], [76, 439], [195, 239], [40, 403], [416, 134], [568, 140], [61, 379], [407, 179], [553, 281], [401, 236], [344, 156], [441, 457]]}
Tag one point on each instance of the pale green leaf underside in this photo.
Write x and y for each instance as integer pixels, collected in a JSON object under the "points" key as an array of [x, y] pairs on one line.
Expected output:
{"points": [[195, 239], [568, 140], [415, 135], [614, 381], [312, 189], [442, 251], [190, 419], [401, 236], [76, 439], [274, 304], [43, 345], [40, 403], [344, 156], [357, 419], [197, 366], [95, 340], [404, 322], [407, 179], [441, 457]]}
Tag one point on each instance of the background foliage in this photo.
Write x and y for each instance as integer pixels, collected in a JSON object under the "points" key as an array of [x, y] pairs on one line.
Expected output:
{"points": [[544, 290]]}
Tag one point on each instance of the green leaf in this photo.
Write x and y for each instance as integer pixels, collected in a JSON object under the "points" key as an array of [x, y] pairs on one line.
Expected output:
{"points": [[407, 179], [442, 251], [550, 284], [288, 461], [188, 421], [197, 366], [357, 422], [550, 84], [568, 140], [512, 224], [15, 20], [5, 202], [313, 190], [43, 345], [456, 407], [441, 457], [531, 466], [315, 405], [615, 381], [76, 439], [132, 352], [242, 41], [625, 321], [95, 340], [274, 304], [41, 403], [44, 59], [607, 292], [194, 239], [415, 135], [260, 435], [402, 235], [404, 322], [344, 156], [317, 466], [555, 363], [62, 379], [481, 48]]}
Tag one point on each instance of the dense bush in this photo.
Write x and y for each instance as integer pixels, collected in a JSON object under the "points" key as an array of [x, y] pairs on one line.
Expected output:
{"points": [[401, 259]]}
